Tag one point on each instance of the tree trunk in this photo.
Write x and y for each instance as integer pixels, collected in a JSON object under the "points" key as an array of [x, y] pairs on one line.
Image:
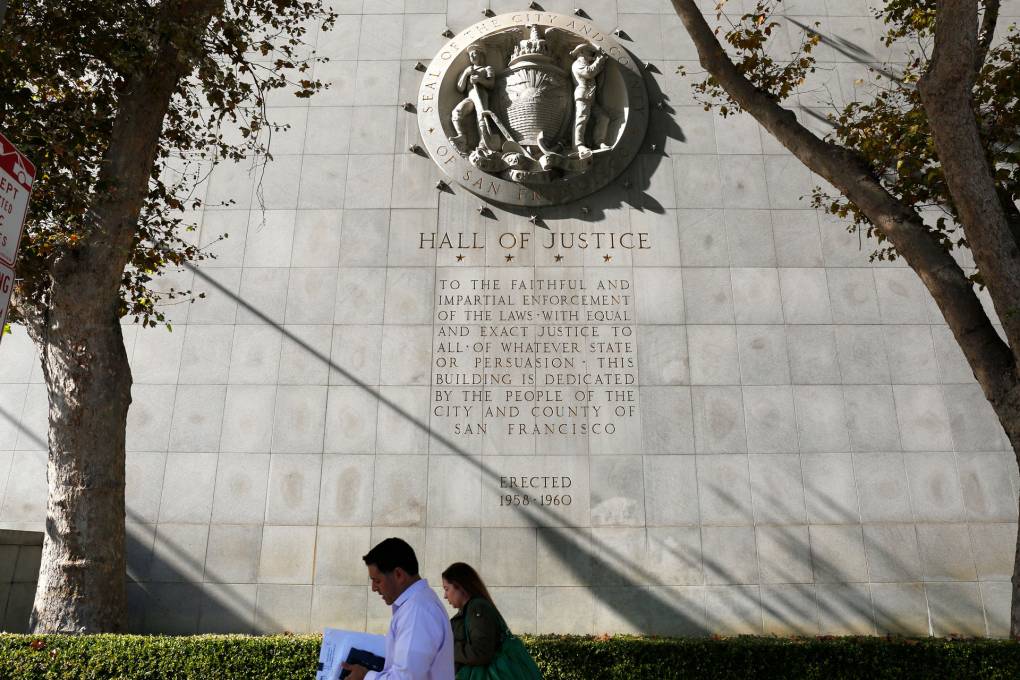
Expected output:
{"points": [[945, 92], [1008, 411], [1015, 580], [82, 575], [1014, 608], [77, 328]]}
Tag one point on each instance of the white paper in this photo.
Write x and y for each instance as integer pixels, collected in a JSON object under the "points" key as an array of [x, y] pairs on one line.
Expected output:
{"points": [[337, 644]]}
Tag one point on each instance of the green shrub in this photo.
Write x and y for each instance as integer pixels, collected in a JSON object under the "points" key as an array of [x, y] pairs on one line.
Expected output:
{"points": [[574, 658], [132, 657]]}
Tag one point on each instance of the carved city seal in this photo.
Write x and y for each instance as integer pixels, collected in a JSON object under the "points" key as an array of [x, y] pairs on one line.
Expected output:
{"points": [[533, 108]]}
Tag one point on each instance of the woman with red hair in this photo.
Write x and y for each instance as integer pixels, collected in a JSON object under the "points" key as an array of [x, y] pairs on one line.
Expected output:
{"points": [[483, 646]]}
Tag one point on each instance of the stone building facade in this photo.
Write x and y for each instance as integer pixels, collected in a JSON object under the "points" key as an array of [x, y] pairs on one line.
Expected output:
{"points": [[797, 445]]}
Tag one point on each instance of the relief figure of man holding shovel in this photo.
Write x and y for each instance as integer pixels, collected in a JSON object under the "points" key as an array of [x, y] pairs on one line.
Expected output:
{"points": [[476, 80]]}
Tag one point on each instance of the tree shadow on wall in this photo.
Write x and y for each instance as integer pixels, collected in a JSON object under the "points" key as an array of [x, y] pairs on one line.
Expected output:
{"points": [[637, 588], [613, 566], [827, 577], [628, 587], [166, 594]]}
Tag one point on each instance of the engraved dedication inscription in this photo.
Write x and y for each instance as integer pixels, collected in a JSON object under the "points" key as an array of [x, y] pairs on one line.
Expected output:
{"points": [[533, 108], [535, 372]]}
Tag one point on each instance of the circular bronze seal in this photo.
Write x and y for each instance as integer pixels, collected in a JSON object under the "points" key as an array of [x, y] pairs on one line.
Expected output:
{"points": [[533, 108]]}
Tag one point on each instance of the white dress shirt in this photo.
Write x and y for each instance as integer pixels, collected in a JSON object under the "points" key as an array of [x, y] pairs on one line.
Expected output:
{"points": [[419, 643]]}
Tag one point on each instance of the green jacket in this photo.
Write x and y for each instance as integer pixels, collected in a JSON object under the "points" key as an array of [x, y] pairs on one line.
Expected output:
{"points": [[477, 633]]}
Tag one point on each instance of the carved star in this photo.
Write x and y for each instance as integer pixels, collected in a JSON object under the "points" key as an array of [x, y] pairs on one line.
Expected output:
{"points": [[607, 258], [431, 130], [559, 258], [509, 258], [460, 258]]}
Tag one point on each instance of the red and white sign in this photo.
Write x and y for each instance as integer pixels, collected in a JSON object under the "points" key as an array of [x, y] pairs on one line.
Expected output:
{"points": [[16, 176], [6, 288]]}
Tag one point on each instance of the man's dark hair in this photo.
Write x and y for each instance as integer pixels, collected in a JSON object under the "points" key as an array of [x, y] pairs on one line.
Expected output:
{"points": [[393, 553]]}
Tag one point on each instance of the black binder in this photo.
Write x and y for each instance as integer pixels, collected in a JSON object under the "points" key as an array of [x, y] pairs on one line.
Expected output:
{"points": [[359, 657]]}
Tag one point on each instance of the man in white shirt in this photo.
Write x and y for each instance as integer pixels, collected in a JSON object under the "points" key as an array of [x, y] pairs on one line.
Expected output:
{"points": [[419, 643]]}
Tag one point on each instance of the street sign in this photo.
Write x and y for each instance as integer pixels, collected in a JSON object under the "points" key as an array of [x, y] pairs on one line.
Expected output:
{"points": [[6, 288], [16, 176]]}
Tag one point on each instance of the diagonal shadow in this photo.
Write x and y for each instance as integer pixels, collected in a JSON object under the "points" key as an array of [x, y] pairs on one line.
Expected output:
{"points": [[638, 607], [848, 49], [845, 608], [173, 603], [613, 576], [638, 604], [165, 596], [846, 604]]}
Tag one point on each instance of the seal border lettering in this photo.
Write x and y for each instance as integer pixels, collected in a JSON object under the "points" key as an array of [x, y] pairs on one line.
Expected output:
{"points": [[497, 189]]}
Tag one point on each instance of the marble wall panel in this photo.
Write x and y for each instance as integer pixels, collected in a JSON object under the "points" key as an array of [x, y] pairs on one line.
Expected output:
{"points": [[801, 447]]}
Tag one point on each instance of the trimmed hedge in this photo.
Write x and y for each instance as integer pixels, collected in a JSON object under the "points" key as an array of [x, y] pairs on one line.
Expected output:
{"points": [[130, 657], [133, 657], [763, 657]]}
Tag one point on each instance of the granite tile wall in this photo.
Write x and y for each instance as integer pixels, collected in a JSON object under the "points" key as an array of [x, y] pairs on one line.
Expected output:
{"points": [[810, 452]]}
